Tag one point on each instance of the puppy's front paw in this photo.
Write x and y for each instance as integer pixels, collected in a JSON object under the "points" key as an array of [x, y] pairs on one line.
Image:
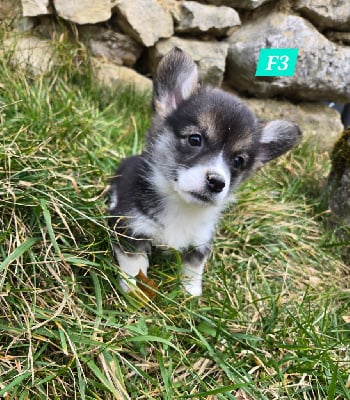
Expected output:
{"points": [[194, 288], [127, 284]]}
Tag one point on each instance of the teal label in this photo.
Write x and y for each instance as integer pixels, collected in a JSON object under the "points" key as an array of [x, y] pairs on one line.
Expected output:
{"points": [[276, 62]]}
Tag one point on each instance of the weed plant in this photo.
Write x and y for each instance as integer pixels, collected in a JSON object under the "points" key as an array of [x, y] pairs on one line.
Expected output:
{"points": [[273, 322]]}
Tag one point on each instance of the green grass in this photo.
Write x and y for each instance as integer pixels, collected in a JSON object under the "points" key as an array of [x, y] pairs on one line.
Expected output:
{"points": [[271, 323]]}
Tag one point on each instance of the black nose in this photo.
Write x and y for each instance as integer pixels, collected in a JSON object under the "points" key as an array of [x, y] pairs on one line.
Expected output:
{"points": [[215, 183]]}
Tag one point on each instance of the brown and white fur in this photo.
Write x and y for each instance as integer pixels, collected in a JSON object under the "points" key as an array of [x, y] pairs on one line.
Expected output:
{"points": [[202, 144]]}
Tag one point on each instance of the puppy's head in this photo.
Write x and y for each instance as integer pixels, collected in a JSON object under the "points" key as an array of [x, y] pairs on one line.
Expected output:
{"points": [[204, 141]]}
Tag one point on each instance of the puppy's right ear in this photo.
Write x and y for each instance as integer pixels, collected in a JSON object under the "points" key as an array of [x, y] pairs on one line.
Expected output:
{"points": [[176, 79]]}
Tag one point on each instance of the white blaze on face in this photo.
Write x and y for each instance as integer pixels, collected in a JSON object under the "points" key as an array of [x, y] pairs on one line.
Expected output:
{"points": [[194, 180]]}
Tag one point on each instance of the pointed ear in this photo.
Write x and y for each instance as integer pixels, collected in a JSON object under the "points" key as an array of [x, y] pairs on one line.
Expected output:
{"points": [[176, 79], [276, 139]]}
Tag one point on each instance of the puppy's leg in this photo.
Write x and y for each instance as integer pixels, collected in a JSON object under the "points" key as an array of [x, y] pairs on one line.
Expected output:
{"points": [[131, 264], [193, 262]]}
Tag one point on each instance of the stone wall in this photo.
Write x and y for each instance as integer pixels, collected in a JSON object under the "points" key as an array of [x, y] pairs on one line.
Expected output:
{"points": [[127, 38]]}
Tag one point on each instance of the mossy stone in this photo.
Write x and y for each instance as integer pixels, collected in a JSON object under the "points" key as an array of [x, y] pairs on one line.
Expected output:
{"points": [[341, 155], [339, 179]]}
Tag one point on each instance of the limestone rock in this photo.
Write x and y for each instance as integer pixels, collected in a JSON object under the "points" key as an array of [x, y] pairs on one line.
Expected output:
{"points": [[246, 4], [173, 6], [31, 53], [199, 18], [339, 178], [329, 14], [319, 123], [31, 8], [83, 12], [146, 21], [210, 57], [323, 67], [111, 75], [110, 45]]}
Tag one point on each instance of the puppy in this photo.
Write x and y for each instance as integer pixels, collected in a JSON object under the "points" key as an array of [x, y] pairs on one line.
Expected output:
{"points": [[202, 144]]}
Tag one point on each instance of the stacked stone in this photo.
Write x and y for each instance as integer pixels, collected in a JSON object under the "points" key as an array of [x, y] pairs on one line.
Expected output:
{"points": [[120, 31]]}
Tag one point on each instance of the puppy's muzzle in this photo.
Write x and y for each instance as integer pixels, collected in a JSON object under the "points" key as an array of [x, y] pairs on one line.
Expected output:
{"points": [[215, 183]]}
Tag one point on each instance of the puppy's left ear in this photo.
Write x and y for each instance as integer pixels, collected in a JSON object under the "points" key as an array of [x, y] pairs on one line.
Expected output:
{"points": [[276, 139], [176, 79]]}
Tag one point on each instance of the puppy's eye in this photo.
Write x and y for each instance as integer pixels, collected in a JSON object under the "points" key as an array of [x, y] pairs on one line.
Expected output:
{"points": [[238, 162], [195, 140]]}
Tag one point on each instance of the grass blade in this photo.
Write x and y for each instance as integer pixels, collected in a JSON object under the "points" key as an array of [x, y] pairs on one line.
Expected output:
{"points": [[15, 382], [50, 230], [18, 252]]}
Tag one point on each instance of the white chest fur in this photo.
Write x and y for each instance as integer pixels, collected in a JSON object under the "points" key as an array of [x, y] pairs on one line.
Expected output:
{"points": [[179, 225]]}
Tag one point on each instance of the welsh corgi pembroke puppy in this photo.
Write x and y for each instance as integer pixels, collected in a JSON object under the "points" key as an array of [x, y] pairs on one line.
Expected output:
{"points": [[202, 144]]}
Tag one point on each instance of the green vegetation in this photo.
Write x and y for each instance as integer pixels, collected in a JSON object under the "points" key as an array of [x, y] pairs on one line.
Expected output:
{"points": [[273, 322]]}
